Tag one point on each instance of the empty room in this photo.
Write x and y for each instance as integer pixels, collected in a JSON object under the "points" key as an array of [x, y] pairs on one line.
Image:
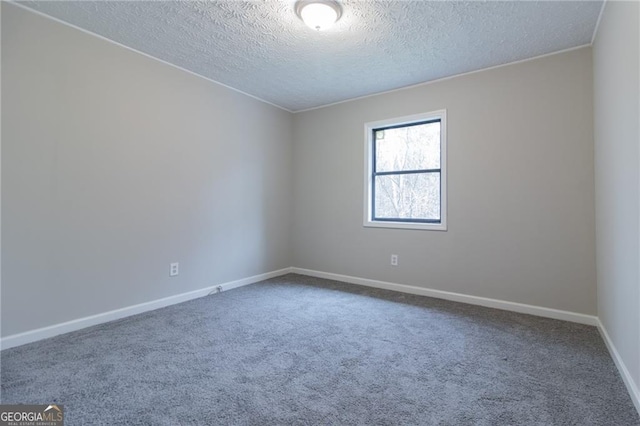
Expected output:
{"points": [[320, 212]]}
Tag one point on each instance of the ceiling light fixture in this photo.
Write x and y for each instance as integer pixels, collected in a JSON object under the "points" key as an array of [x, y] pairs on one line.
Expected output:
{"points": [[318, 14]]}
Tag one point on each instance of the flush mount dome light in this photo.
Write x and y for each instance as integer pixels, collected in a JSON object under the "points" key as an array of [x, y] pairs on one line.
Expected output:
{"points": [[318, 14]]}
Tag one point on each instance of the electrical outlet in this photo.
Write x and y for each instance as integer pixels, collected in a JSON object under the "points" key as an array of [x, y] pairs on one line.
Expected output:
{"points": [[394, 260], [174, 269]]}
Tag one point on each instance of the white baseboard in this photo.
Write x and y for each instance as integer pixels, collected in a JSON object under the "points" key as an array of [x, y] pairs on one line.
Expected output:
{"points": [[632, 387], [457, 297], [77, 324]]}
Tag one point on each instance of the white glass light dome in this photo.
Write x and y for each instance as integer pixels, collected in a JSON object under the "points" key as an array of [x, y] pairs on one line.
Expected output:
{"points": [[318, 14]]}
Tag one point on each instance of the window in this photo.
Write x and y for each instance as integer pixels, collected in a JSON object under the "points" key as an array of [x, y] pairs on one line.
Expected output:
{"points": [[405, 176]]}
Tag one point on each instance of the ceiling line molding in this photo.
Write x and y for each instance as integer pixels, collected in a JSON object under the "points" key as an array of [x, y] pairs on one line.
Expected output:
{"points": [[425, 83], [293, 110], [131, 49], [595, 30]]}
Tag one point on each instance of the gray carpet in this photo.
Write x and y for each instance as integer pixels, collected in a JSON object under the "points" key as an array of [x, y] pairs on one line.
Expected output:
{"points": [[306, 351]]}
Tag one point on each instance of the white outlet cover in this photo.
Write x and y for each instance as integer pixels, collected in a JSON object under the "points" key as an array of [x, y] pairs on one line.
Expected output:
{"points": [[174, 269]]}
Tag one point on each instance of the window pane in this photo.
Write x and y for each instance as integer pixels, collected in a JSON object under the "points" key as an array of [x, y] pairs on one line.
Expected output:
{"points": [[408, 196], [408, 148]]}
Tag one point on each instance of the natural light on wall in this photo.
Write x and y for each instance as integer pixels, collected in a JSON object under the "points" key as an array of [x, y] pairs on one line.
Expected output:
{"points": [[318, 14]]}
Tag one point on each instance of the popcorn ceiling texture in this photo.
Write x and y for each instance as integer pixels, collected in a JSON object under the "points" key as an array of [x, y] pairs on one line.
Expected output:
{"points": [[263, 49]]}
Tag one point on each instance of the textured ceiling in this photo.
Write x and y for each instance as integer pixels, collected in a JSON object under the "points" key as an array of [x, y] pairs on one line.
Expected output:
{"points": [[262, 48]]}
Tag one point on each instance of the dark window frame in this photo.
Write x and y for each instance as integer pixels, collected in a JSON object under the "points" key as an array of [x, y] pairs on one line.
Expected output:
{"points": [[375, 173]]}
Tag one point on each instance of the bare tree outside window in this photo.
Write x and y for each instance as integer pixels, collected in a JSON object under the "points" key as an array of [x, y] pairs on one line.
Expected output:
{"points": [[405, 177], [407, 172]]}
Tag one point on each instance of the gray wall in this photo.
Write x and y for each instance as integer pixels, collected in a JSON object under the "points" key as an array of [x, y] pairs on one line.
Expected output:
{"points": [[115, 165], [521, 196], [617, 140]]}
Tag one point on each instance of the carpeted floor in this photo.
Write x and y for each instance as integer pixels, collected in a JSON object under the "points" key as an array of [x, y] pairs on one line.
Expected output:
{"points": [[307, 351]]}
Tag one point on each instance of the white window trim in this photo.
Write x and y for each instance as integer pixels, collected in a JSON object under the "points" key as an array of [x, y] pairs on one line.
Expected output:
{"points": [[368, 162]]}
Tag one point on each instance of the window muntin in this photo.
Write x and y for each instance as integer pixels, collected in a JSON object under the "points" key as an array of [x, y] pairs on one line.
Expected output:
{"points": [[405, 181]]}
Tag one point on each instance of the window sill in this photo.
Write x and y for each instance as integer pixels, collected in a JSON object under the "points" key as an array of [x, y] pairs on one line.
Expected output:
{"points": [[406, 225]]}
